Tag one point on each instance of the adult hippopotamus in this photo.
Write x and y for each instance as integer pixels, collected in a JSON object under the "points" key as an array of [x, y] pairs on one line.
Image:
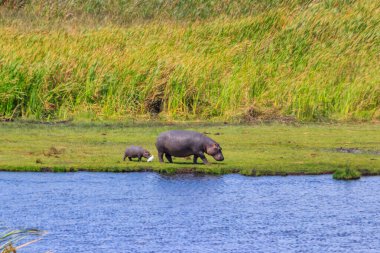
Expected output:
{"points": [[136, 151], [185, 143]]}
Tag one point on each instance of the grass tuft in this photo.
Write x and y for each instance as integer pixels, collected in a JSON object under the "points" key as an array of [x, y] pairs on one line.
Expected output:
{"points": [[346, 174], [9, 238]]}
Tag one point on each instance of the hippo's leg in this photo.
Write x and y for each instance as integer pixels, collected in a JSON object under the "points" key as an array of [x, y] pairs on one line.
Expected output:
{"points": [[130, 158], [125, 156], [195, 159], [204, 159], [139, 158], [169, 157], [161, 157]]}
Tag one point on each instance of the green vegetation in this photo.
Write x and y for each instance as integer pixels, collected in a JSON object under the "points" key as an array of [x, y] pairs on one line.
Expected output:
{"points": [[346, 174], [9, 237], [274, 149], [126, 12], [195, 59]]}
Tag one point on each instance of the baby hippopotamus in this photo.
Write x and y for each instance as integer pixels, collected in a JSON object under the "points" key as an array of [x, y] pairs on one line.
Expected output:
{"points": [[136, 151], [182, 143]]}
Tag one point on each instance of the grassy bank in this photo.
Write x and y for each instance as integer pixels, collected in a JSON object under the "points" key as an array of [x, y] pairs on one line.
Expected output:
{"points": [[219, 60], [251, 150]]}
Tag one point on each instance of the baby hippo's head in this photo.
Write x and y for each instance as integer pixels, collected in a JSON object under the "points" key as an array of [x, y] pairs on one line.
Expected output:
{"points": [[215, 151], [146, 154]]}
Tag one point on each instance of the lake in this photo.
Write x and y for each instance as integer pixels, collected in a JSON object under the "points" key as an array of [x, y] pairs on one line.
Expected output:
{"points": [[148, 212]]}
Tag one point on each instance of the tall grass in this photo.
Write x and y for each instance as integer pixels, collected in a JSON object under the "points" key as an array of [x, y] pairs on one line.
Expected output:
{"points": [[124, 12], [223, 60]]}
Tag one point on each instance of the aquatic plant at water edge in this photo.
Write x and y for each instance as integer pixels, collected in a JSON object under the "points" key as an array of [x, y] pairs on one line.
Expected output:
{"points": [[10, 238], [346, 174]]}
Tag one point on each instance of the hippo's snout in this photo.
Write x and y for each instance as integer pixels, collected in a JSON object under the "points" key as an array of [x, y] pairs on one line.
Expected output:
{"points": [[219, 157], [146, 154]]}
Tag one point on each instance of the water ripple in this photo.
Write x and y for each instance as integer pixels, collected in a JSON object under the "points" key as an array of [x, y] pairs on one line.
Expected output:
{"points": [[147, 212]]}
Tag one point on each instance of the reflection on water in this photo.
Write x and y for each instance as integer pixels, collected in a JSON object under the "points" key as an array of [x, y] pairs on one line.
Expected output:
{"points": [[146, 212]]}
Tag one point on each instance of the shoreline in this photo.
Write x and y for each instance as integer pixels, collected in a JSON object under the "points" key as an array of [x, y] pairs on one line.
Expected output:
{"points": [[179, 171]]}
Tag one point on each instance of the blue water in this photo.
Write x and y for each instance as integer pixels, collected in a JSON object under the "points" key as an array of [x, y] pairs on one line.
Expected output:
{"points": [[147, 212]]}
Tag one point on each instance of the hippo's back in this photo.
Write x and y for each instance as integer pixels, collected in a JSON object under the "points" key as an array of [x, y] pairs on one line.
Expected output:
{"points": [[180, 142], [180, 136]]}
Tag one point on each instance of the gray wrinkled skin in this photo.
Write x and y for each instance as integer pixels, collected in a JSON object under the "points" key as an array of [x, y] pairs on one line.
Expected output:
{"points": [[181, 143], [136, 152]]}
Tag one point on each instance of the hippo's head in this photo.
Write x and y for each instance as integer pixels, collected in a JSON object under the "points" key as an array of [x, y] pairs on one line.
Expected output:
{"points": [[215, 151], [146, 154]]}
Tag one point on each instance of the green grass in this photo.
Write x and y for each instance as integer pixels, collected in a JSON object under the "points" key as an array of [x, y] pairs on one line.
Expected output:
{"points": [[346, 174], [274, 149], [190, 60]]}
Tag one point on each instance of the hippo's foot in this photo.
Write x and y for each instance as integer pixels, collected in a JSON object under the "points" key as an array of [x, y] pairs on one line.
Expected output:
{"points": [[169, 157], [160, 157], [204, 159], [195, 159]]}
